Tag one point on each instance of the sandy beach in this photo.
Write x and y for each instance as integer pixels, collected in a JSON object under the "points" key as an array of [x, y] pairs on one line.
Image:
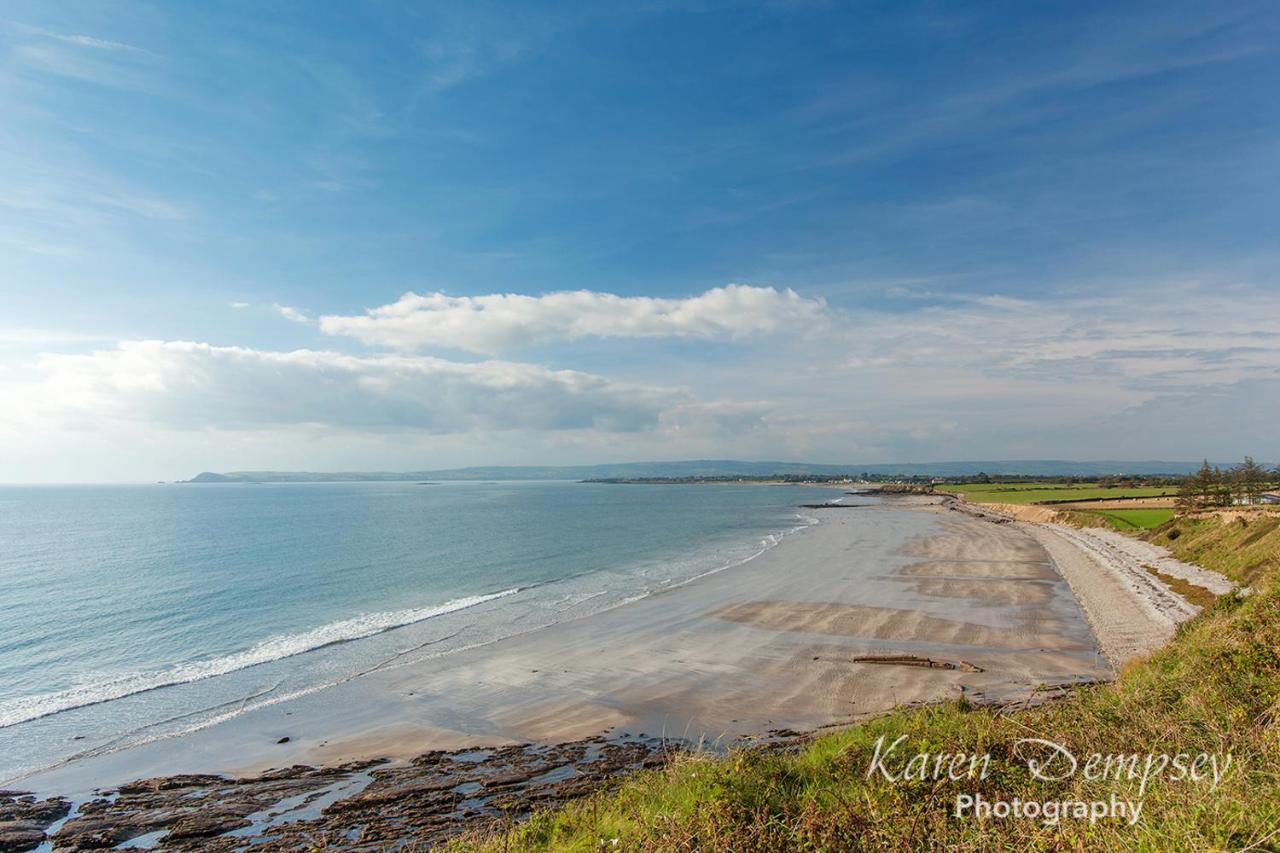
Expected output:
{"points": [[824, 629], [1115, 578], [786, 640]]}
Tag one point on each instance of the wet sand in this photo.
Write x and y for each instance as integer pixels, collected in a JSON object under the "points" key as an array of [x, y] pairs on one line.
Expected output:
{"points": [[839, 621]]}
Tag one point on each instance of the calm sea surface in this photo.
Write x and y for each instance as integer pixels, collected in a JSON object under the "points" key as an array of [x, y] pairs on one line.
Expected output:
{"points": [[129, 613]]}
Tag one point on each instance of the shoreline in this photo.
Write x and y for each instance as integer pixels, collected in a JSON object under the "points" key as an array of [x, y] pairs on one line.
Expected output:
{"points": [[804, 635], [362, 743], [1117, 579], [328, 629]]}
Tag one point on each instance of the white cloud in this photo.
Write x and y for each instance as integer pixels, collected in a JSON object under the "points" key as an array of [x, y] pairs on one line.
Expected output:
{"points": [[467, 42], [195, 386], [94, 42], [239, 306], [292, 314], [1142, 340], [1128, 375], [1228, 420], [78, 39], [500, 322], [98, 61]]}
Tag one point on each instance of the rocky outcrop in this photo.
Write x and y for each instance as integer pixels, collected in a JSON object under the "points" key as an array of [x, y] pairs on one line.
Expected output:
{"points": [[20, 835], [367, 806], [24, 819]]}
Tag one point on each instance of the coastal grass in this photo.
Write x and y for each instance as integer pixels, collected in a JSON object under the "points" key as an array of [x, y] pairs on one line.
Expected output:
{"points": [[1030, 493], [1215, 688], [1245, 547]]}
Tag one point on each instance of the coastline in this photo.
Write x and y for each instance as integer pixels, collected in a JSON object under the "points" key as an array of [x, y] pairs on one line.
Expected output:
{"points": [[286, 611], [815, 632], [1115, 578]]}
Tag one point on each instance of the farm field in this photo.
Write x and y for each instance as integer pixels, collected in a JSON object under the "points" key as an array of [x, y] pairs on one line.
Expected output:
{"points": [[1030, 493], [1132, 519]]}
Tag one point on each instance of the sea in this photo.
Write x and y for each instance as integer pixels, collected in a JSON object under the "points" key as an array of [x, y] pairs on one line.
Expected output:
{"points": [[134, 613]]}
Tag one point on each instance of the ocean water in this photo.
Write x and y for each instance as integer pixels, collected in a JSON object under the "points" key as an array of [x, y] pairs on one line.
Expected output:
{"points": [[130, 613]]}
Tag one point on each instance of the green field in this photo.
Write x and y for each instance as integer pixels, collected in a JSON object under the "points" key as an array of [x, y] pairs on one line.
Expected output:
{"points": [[1132, 519], [1030, 493]]}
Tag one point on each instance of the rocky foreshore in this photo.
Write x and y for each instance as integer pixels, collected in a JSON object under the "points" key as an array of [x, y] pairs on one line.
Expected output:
{"points": [[357, 806], [24, 819]]}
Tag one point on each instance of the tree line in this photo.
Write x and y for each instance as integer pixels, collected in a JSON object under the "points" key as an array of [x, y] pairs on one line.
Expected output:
{"points": [[1214, 486]]}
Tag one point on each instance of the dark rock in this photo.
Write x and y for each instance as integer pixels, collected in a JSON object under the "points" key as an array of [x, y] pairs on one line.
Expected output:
{"points": [[419, 803], [432, 758], [18, 835], [168, 783], [206, 823], [93, 807], [92, 833], [150, 817], [293, 772], [26, 808], [283, 740]]}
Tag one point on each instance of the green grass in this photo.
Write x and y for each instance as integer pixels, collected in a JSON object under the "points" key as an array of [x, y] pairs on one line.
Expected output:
{"points": [[1245, 550], [1029, 493], [1132, 519]]}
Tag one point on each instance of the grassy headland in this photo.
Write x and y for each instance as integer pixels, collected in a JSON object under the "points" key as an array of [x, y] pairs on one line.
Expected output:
{"points": [[1215, 689]]}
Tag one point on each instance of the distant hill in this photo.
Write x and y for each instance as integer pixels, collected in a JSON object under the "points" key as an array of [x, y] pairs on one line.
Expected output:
{"points": [[716, 468]]}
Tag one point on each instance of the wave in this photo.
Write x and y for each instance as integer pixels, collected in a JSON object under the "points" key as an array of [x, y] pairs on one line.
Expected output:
{"points": [[768, 543], [12, 713], [29, 708]]}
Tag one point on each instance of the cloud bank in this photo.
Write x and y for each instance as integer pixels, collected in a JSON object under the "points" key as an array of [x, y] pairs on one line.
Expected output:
{"points": [[500, 322], [195, 386], [951, 376]]}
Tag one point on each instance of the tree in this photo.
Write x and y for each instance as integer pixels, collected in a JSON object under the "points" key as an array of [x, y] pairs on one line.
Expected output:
{"points": [[1202, 487], [1220, 488], [1192, 489], [1250, 479]]}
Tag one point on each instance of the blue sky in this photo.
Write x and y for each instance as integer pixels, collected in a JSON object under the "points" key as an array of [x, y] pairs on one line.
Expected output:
{"points": [[963, 231]]}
